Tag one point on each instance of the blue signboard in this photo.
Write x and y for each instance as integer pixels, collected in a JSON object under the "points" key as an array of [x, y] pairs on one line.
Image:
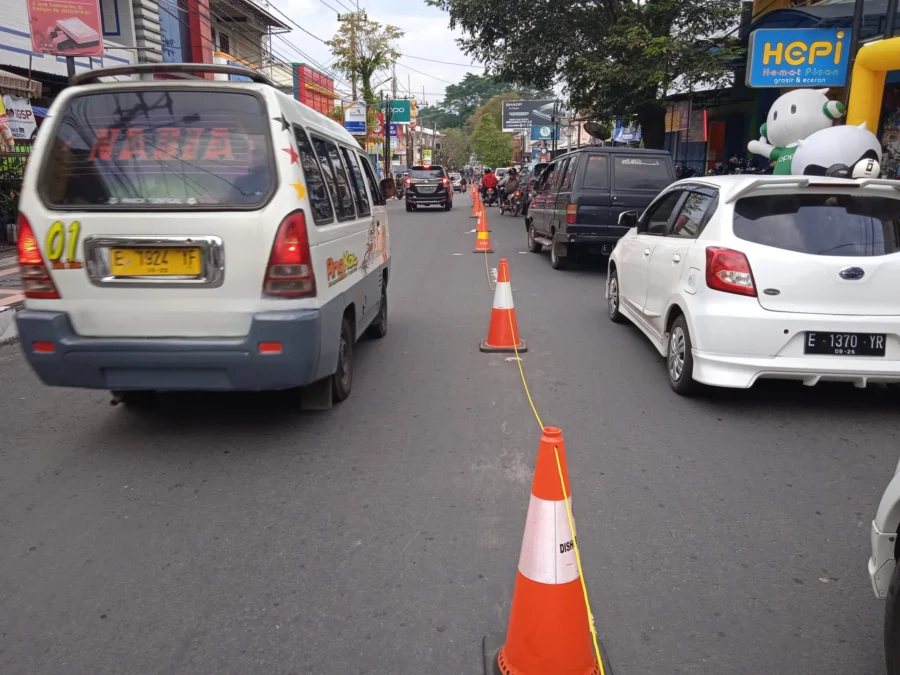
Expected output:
{"points": [[542, 133], [798, 57]]}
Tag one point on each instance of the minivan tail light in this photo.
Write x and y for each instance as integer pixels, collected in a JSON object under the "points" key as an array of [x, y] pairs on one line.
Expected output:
{"points": [[571, 213], [290, 271], [36, 280], [445, 181], [729, 271]]}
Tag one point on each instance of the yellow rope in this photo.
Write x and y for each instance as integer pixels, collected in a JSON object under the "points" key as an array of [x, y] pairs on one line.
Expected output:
{"points": [[562, 481]]}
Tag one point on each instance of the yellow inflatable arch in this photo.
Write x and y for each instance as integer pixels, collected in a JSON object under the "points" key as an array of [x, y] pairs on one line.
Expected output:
{"points": [[873, 61]]}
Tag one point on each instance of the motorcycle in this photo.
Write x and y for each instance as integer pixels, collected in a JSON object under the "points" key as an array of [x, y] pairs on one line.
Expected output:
{"points": [[490, 196], [513, 204], [684, 171]]}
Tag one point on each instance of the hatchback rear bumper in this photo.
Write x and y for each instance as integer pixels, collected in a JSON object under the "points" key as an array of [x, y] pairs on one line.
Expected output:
{"points": [[176, 364], [725, 370]]}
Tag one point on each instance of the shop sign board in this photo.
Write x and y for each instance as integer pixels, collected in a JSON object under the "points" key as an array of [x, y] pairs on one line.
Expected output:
{"points": [[66, 27], [798, 57]]}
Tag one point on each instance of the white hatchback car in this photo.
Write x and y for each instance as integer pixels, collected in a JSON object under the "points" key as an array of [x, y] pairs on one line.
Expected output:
{"points": [[734, 278]]}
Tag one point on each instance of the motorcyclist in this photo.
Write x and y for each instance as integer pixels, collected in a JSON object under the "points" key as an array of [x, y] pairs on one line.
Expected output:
{"points": [[508, 185], [398, 184], [488, 181]]}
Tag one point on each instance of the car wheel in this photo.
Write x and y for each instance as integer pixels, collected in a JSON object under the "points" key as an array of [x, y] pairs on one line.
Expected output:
{"points": [[409, 208], [612, 299], [557, 262], [378, 329], [680, 360], [892, 625], [342, 380], [448, 206], [533, 246]]}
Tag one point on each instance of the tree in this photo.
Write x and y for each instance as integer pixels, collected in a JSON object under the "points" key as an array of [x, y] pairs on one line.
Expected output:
{"points": [[463, 99], [457, 147], [616, 57], [493, 147], [362, 48]]}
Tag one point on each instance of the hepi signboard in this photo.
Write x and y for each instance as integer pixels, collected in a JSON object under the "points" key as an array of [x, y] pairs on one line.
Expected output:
{"points": [[798, 57]]}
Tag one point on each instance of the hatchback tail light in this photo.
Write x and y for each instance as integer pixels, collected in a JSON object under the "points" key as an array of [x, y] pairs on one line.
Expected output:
{"points": [[729, 271], [571, 213], [36, 280], [290, 272]]}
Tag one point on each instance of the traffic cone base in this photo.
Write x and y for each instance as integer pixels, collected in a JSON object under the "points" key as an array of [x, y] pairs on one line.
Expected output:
{"points": [[492, 644], [503, 333], [549, 631]]}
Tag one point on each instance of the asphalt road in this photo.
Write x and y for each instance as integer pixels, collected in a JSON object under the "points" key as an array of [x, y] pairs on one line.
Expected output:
{"points": [[236, 535]]}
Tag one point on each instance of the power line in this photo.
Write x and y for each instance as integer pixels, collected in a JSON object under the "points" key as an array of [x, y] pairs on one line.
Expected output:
{"points": [[446, 63], [425, 74]]}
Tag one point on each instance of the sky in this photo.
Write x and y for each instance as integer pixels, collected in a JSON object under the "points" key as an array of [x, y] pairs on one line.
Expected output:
{"points": [[427, 34]]}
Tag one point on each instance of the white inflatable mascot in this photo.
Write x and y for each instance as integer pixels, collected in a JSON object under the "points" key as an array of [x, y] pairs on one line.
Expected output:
{"points": [[793, 117], [799, 136]]}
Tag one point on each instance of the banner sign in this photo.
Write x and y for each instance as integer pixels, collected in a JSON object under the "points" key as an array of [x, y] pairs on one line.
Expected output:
{"points": [[400, 111], [798, 57], [66, 27], [20, 117], [355, 118], [543, 133], [522, 115]]}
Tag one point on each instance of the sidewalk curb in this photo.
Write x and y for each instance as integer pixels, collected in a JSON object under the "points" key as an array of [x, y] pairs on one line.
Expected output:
{"points": [[8, 330]]}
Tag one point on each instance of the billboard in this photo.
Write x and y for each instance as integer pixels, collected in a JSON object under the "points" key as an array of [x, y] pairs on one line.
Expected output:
{"points": [[544, 132], [66, 27], [798, 57], [355, 118], [400, 110], [522, 115]]}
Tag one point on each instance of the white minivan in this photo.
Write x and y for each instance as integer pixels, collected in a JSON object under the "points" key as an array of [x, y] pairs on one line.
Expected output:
{"points": [[196, 234]]}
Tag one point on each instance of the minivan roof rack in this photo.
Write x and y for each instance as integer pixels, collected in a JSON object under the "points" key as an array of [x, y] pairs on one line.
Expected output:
{"points": [[186, 69]]}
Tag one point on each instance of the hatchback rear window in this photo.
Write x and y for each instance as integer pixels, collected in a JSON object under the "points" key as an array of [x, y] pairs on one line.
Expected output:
{"points": [[819, 224], [160, 149], [641, 173], [426, 173]]}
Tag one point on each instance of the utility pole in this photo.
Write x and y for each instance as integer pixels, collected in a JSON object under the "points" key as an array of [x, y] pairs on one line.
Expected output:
{"points": [[387, 136], [410, 150]]}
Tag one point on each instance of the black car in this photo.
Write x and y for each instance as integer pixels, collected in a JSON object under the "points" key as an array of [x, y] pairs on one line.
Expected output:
{"points": [[576, 202], [428, 186]]}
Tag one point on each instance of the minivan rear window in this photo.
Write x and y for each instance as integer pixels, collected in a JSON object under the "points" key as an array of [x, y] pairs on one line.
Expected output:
{"points": [[641, 173], [820, 224], [160, 149], [596, 173]]}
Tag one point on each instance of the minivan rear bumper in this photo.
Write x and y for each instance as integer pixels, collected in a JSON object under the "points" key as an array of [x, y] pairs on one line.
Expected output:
{"points": [[600, 244], [176, 364]]}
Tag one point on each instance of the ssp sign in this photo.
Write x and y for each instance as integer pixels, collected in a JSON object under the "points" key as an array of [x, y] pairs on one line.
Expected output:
{"points": [[19, 117]]}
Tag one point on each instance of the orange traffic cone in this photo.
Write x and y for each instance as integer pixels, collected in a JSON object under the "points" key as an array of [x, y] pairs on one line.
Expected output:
{"points": [[482, 222], [503, 333], [476, 206], [548, 631]]}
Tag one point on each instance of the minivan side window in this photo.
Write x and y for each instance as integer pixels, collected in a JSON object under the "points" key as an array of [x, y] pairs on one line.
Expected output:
{"points": [[566, 184], [315, 185], [357, 183], [659, 214], [546, 177], [328, 174], [553, 177], [345, 192], [374, 187], [692, 217], [596, 173]]}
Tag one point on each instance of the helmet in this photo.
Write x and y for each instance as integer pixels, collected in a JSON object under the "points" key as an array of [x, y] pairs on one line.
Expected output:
{"points": [[512, 172], [487, 170]]}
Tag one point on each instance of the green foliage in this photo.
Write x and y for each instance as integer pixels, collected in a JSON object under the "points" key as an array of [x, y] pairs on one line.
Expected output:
{"points": [[492, 146], [362, 48], [456, 147], [463, 99], [616, 57]]}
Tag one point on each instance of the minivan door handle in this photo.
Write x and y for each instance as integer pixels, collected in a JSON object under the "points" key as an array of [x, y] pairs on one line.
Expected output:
{"points": [[676, 258], [646, 252]]}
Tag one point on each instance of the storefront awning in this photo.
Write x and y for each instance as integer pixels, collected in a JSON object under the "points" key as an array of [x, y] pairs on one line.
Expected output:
{"points": [[10, 83]]}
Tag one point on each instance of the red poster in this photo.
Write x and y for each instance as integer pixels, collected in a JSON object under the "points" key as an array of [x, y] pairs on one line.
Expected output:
{"points": [[66, 27]]}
